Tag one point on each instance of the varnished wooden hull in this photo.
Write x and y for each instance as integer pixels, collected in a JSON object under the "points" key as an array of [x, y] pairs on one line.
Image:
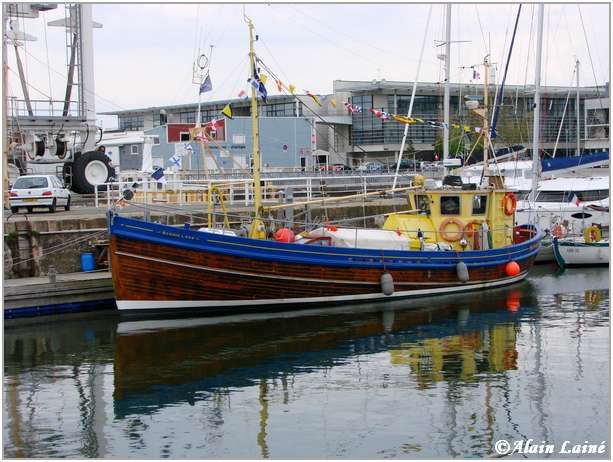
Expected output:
{"points": [[213, 271]]}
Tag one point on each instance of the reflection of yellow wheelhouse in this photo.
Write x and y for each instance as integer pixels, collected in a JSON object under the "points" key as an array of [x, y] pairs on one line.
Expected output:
{"points": [[476, 219]]}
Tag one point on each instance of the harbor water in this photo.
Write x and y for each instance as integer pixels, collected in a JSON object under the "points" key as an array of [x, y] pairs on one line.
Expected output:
{"points": [[444, 377]]}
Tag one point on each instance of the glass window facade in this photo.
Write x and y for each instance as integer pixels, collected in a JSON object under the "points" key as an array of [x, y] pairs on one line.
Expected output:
{"points": [[280, 110], [188, 117], [514, 122], [135, 122]]}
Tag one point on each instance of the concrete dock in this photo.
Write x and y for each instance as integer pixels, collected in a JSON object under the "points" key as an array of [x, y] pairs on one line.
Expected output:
{"points": [[72, 292]]}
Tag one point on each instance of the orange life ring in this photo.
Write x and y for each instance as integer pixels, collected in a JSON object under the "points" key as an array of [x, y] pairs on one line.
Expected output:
{"points": [[509, 204], [455, 236], [469, 232]]}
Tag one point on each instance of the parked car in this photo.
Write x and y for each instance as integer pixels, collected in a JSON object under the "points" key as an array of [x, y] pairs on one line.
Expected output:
{"points": [[406, 164], [374, 166], [31, 191], [334, 168]]}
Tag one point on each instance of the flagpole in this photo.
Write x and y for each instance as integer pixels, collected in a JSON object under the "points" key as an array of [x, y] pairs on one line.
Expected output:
{"points": [[256, 230]]}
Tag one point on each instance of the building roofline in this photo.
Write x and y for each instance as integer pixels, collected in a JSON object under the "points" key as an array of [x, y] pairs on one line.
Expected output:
{"points": [[221, 102]]}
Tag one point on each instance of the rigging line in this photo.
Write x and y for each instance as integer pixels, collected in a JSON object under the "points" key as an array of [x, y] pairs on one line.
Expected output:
{"points": [[346, 138], [194, 52], [529, 47], [555, 146], [481, 27], [547, 53], [570, 36], [42, 17], [64, 77], [590, 55], [353, 38], [30, 85], [333, 44]]}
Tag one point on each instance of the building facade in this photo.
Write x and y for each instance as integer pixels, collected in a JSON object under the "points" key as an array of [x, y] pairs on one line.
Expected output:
{"points": [[338, 136], [375, 138]]}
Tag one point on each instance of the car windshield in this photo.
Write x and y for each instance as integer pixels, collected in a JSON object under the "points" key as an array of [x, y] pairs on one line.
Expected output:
{"points": [[31, 182]]}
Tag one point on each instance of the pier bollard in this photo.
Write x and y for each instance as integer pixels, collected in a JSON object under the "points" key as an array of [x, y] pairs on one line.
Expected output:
{"points": [[52, 273]]}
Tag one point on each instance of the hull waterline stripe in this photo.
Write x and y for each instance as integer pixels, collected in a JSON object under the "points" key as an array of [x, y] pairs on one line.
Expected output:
{"points": [[135, 305]]}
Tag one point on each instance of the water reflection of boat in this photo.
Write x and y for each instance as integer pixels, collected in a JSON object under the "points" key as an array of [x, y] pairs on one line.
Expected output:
{"points": [[182, 359]]}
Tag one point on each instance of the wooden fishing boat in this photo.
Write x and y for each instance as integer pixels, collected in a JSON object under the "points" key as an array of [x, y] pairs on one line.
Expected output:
{"points": [[157, 266], [449, 239]]}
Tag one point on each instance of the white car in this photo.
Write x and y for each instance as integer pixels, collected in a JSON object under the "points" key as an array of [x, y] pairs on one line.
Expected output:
{"points": [[31, 191]]}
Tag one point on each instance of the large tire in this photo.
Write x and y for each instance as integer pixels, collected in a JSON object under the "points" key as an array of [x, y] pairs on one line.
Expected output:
{"points": [[89, 169]]}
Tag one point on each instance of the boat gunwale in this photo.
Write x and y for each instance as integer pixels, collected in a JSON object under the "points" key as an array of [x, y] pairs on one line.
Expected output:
{"points": [[329, 256]]}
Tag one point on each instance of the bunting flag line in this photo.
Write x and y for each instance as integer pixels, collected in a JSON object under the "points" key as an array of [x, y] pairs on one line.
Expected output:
{"points": [[279, 85], [292, 88], [227, 111], [333, 103], [313, 97], [381, 114], [263, 78], [352, 109], [431, 123], [206, 85], [243, 94], [476, 75]]}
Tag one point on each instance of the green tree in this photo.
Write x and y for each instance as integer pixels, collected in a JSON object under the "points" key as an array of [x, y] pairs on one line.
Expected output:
{"points": [[456, 143]]}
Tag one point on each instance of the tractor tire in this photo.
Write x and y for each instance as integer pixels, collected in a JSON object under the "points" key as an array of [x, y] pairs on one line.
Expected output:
{"points": [[89, 169]]}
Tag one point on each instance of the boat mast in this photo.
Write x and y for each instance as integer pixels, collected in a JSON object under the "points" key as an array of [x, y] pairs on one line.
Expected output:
{"points": [[256, 228], [5, 140], [577, 111], [536, 127], [446, 101], [486, 122]]}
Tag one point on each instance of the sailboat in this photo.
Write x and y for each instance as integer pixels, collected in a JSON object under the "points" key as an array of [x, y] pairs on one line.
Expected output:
{"points": [[588, 251], [448, 240]]}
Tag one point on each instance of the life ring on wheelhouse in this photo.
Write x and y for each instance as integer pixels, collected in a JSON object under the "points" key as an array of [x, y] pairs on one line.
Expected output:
{"points": [[451, 236], [509, 204]]}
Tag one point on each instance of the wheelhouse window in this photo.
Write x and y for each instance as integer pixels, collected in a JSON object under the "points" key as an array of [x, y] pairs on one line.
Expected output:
{"points": [[479, 204], [450, 205], [423, 204]]}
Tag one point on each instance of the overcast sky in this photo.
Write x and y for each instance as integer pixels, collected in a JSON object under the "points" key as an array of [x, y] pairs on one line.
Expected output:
{"points": [[144, 53]]}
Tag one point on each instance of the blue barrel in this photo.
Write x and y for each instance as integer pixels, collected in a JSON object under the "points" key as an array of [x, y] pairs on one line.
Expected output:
{"points": [[87, 262]]}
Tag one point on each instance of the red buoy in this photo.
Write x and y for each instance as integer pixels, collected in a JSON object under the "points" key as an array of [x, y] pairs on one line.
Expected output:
{"points": [[512, 269], [284, 235]]}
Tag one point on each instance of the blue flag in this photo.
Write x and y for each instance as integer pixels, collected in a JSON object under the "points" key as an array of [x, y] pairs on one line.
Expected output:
{"points": [[206, 85], [258, 85], [158, 175]]}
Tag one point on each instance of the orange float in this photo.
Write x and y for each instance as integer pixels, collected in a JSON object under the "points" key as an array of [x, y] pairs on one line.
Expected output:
{"points": [[512, 268]]}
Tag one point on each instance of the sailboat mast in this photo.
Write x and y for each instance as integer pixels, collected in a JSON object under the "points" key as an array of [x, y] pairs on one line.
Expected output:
{"points": [[536, 127], [577, 111], [254, 128], [5, 141], [447, 72]]}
